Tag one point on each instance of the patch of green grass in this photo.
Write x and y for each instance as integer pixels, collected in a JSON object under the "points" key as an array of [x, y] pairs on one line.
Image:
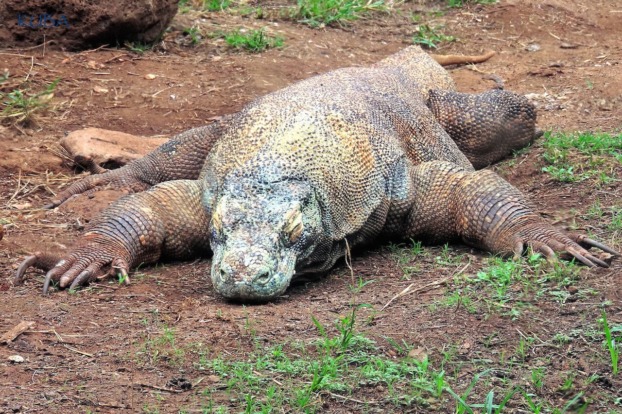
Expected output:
{"points": [[254, 41], [456, 299], [565, 174], [616, 219], [488, 406], [610, 215], [139, 47], [460, 3], [579, 156], [317, 13], [611, 342], [184, 6], [162, 348], [20, 101], [430, 37], [216, 5], [331, 364], [511, 286], [448, 256], [194, 34], [341, 364], [246, 10], [406, 256], [537, 378]]}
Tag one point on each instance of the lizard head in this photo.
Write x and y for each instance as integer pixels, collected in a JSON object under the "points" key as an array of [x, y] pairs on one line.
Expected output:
{"points": [[258, 232]]}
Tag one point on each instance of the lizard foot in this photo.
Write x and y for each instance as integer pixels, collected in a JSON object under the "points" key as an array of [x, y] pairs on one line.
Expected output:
{"points": [[85, 264], [547, 240], [586, 242]]}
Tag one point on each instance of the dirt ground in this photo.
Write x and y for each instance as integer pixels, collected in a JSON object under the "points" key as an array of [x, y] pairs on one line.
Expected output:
{"points": [[79, 357]]}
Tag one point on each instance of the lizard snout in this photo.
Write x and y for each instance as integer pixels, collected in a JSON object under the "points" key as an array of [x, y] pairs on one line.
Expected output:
{"points": [[249, 274]]}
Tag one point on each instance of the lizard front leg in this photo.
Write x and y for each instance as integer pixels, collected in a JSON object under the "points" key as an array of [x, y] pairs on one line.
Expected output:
{"points": [[169, 220], [484, 211], [181, 158]]}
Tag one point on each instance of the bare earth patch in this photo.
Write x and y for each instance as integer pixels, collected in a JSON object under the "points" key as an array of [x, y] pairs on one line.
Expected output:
{"points": [[147, 347]]}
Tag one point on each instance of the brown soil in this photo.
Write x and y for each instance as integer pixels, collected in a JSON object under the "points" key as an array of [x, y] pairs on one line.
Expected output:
{"points": [[81, 355]]}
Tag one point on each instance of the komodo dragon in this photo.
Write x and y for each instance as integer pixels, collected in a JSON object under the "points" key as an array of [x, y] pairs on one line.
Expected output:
{"points": [[296, 178]]}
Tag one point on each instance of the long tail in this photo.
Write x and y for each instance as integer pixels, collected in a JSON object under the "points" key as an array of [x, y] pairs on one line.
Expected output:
{"points": [[446, 60]]}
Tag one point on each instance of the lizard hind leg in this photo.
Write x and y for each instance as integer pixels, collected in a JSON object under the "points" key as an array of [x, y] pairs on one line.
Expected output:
{"points": [[486, 127]]}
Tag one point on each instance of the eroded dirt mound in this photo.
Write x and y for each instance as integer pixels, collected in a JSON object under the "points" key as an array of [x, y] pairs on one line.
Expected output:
{"points": [[75, 24]]}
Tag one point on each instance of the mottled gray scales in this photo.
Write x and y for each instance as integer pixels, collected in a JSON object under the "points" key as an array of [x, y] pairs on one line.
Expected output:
{"points": [[288, 184]]}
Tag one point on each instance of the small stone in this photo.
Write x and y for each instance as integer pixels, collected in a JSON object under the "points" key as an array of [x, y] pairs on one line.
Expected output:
{"points": [[99, 89], [150, 76], [572, 290], [533, 47], [17, 359]]}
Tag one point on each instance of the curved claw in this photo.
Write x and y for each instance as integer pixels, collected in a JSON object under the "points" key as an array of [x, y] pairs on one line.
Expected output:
{"points": [[21, 270], [80, 280], [545, 250], [580, 257], [43, 261], [46, 284], [584, 240], [599, 262], [550, 242]]}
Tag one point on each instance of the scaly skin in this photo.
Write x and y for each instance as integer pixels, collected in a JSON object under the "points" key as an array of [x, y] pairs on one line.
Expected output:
{"points": [[286, 185], [486, 127]]}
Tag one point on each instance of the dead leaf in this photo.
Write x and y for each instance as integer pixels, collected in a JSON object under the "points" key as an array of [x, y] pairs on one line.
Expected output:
{"points": [[99, 89]]}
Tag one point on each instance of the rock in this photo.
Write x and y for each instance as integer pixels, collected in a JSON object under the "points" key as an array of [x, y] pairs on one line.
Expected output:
{"points": [[110, 149], [533, 47], [78, 24], [17, 359]]}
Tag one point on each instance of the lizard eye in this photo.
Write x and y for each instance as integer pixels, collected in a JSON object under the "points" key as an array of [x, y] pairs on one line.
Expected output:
{"points": [[293, 226]]}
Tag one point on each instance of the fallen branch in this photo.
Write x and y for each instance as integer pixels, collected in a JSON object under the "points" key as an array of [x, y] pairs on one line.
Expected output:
{"points": [[155, 387], [16, 331]]}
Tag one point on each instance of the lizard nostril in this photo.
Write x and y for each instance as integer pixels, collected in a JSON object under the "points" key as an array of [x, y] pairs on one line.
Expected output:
{"points": [[263, 277], [223, 274]]}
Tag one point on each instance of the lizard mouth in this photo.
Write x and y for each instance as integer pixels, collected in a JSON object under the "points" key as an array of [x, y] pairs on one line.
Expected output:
{"points": [[251, 276]]}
